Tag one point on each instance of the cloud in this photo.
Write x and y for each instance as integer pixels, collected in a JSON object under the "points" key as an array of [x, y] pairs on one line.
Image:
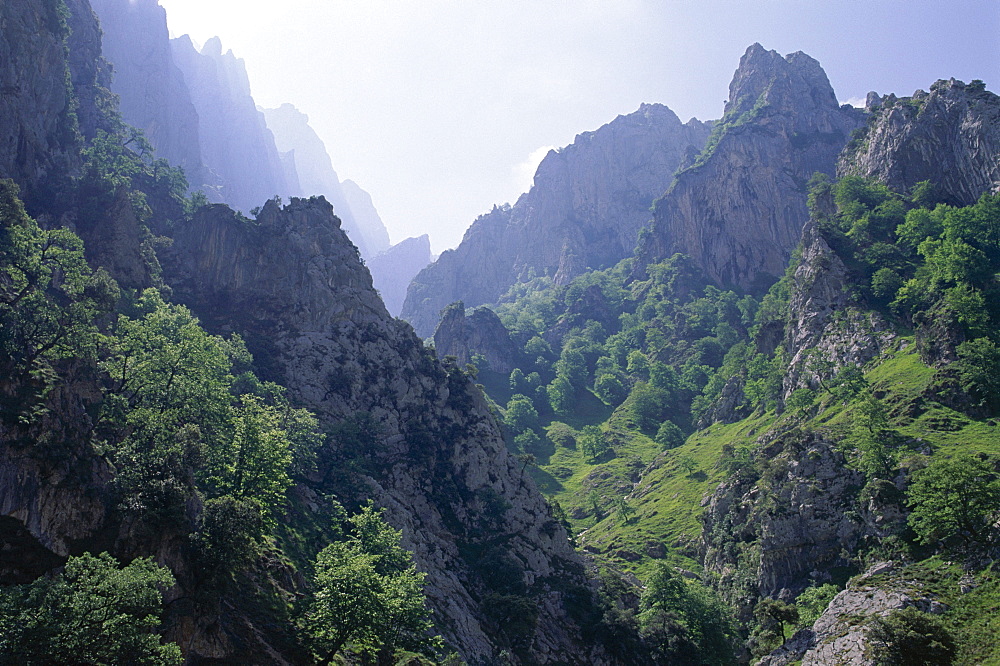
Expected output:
{"points": [[524, 171], [858, 102]]}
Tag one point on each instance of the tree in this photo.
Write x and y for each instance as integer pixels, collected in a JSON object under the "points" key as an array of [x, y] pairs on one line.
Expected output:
{"points": [[253, 464], [648, 405], [527, 440], [520, 414], [979, 372], [669, 436], [813, 601], [231, 535], [49, 297], [870, 433], [800, 401], [956, 500], [366, 591], [772, 616], [592, 442], [610, 390], [624, 510], [94, 612], [909, 637], [560, 394], [684, 622]]}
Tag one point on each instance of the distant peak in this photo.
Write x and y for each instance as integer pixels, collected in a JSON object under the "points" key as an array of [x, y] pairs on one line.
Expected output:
{"points": [[213, 47]]}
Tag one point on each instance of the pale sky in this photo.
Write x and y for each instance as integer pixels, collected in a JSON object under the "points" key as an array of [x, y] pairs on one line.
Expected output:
{"points": [[442, 108]]}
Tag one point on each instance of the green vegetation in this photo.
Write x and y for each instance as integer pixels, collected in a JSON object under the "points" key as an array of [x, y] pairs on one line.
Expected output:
{"points": [[94, 612], [366, 592], [632, 402], [199, 451]]}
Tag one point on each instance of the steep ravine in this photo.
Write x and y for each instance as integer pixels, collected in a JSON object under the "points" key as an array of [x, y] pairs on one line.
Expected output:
{"points": [[292, 284]]}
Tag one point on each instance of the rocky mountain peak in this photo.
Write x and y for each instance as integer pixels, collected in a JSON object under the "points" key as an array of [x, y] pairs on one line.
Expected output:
{"points": [[480, 332], [738, 210], [794, 84]]}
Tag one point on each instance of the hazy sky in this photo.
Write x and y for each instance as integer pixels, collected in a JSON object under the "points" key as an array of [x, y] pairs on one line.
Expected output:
{"points": [[441, 108]]}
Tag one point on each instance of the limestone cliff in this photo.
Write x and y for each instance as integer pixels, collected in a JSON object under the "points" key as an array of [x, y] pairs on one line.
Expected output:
{"points": [[801, 512], [153, 94], [394, 268], [292, 284], [586, 207], [367, 218], [481, 332], [949, 136], [52, 81], [237, 148], [826, 323], [840, 634], [738, 210]]}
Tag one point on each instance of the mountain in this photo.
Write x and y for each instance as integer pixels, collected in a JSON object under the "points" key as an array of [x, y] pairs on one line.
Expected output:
{"points": [[153, 94], [218, 446], [293, 135], [585, 209], [103, 450], [394, 268], [366, 217], [947, 136], [236, 145], [738, 210]]}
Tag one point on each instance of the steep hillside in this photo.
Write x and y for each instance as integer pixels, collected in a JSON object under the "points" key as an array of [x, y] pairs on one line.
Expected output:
{"points": [[126, 427], [947, 136], [776, 446], [316, 177], [584, 211]]}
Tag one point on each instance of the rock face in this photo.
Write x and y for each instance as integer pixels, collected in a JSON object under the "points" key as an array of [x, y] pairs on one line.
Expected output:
{"points": [[738, 211], [393, 269], [949, 136], [367, 219], [48, 95], [481, 332], [236, 145], [839, 635], [152, 91], [824, 321], [585, 209], [293, 285]]}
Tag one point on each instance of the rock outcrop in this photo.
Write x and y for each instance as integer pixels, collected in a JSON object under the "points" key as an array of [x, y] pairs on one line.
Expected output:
{"points": [[827, 328], [738, 211], [586, 207], [394, 268], [480, 332], [801, 530], [367, 219], [949, 136], [839, 635], [293, 285], [49, 94]]}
